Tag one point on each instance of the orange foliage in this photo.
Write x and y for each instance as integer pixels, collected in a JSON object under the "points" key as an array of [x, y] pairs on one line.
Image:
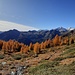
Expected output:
{"points": [[1, 44], [56, 40], [36, 48], [11, 46], [60, 39], [31, 46], [42, 45], [45, 44], [14, 46], [4, 47], [49, 43], [66, 41], [24, 49]]}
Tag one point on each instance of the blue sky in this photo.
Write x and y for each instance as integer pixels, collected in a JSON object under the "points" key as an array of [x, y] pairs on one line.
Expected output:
{"points": [[41, 14]]}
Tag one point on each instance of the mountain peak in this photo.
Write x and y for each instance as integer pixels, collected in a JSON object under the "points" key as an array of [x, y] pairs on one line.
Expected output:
{"points": [[61, 29]]}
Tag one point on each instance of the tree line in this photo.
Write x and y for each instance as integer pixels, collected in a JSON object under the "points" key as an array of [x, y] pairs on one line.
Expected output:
{"points": [[12, 46]]}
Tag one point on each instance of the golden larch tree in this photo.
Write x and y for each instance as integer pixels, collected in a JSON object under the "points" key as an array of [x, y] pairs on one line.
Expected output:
{"points": [[36, 48], [31, 46], [42, 45], [56, 40], [1, 44]]}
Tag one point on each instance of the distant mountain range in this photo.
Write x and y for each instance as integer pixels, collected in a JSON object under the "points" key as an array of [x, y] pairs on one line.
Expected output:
{"points": [[32, 36]]}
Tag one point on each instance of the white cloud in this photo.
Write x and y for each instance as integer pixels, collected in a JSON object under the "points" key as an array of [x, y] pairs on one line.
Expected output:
{"points": [[5, 26]]}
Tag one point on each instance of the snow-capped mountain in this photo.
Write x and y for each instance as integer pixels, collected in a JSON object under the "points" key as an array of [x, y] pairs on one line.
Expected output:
{"points": [[61, 29], [70, 28]]}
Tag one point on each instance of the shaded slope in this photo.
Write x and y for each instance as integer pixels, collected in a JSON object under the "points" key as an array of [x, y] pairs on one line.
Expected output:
{"points": [[30, 36], [11, 34]]}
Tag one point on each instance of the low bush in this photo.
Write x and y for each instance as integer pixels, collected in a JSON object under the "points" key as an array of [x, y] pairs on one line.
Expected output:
{"points": [[1, 56], [17, 56]]}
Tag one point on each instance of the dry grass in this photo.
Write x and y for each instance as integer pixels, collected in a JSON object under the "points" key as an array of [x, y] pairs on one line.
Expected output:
{"points": [[54, 61]]}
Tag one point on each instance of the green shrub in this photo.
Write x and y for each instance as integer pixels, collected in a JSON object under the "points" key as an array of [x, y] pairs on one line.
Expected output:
{"points": [[17, 56], [1, 56]]}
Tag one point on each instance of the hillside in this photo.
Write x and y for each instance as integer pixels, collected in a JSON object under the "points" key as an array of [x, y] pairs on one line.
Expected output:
{"points": [[58, 60]]}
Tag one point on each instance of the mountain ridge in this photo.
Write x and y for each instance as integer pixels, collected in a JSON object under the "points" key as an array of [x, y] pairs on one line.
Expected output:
{"points": [[32, 36]]}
